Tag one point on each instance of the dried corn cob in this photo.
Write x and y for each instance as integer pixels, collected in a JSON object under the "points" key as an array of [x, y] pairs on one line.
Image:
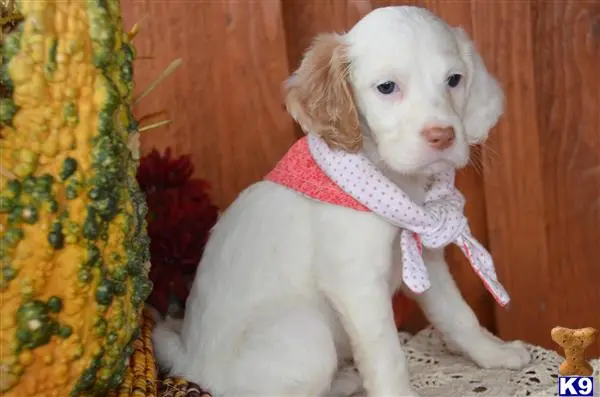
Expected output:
{"points": [[140, 378]]}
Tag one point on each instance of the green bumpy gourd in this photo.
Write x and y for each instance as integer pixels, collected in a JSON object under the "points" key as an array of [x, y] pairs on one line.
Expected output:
{"points": [[73, 245]]}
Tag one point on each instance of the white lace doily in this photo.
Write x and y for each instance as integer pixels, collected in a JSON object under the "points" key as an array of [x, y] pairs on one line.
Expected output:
{"points": [[435, 372]]}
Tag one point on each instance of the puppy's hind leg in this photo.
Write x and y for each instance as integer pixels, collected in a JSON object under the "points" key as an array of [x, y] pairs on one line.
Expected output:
{"points": [[289, 352]]}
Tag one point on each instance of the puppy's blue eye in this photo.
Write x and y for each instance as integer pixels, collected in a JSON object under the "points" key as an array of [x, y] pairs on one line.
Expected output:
{"points": [[386, 88], [454, 80]]}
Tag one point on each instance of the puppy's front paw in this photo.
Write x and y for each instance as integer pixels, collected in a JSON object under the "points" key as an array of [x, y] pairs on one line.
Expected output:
{"points": [[497, 354], [452, 347]]}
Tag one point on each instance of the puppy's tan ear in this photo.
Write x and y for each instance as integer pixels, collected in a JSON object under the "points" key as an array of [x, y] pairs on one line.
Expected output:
{"points": [[319, 97]]}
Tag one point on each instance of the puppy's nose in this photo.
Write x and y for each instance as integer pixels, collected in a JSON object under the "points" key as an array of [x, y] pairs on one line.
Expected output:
{"points": [[439, 138]]}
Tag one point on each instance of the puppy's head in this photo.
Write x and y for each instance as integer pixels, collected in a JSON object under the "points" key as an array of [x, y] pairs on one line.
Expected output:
{"points": [[403, 79]]}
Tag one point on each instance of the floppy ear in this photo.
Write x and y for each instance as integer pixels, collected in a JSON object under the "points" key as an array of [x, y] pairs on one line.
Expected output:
{"points": [[319, 97], [484, 98]]}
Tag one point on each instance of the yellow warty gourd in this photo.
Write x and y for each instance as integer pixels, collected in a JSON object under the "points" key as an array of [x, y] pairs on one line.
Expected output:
{"points": [[73, 243]]}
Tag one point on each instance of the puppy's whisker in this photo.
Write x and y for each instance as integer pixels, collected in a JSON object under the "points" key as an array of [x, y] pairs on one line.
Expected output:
{"points": [[489, 160], [488, 156], [488, 149], [475, 163]]}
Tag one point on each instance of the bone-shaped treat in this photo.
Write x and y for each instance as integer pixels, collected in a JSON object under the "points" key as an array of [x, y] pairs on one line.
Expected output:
{"points": [[574, 342]]}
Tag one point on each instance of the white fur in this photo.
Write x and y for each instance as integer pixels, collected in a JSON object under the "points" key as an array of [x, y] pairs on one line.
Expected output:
{"points": [[289, 288]]}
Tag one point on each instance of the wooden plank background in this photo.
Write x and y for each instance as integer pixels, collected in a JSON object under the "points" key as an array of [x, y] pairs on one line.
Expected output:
{"points": [[225, 99], [536, 201], [543, 196]]}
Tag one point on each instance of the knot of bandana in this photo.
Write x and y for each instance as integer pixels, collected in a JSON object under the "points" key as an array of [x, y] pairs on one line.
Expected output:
{"points": [[438, 222]]}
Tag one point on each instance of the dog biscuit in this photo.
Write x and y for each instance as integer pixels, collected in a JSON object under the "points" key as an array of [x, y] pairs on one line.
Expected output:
{"points": [[574, 342]]}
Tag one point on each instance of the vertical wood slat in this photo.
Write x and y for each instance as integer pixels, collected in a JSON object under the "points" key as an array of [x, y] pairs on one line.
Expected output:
{"points": [[225, 100], [543, 200], [470, 182], [304, 19]]}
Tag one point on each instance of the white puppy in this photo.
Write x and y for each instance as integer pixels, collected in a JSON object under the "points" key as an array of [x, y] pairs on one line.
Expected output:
{"points": [[288, 287]]}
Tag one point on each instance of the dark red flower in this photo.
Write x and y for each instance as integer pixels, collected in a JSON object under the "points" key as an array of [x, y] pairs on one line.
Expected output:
{"points": [[162, 172], [180, 217]]}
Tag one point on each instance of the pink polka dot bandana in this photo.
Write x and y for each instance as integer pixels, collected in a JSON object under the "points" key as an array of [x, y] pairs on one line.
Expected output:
{"points": [[439, 222], [298, 171], [335, 177]]}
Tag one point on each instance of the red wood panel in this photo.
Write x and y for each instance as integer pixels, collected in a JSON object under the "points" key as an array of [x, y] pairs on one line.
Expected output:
{"points": [[225, 100], [542, 199], [470, 182]]}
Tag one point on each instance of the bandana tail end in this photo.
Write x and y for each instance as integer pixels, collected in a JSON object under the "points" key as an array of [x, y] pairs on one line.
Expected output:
{"points": [[414, 272], [483, 265]]}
